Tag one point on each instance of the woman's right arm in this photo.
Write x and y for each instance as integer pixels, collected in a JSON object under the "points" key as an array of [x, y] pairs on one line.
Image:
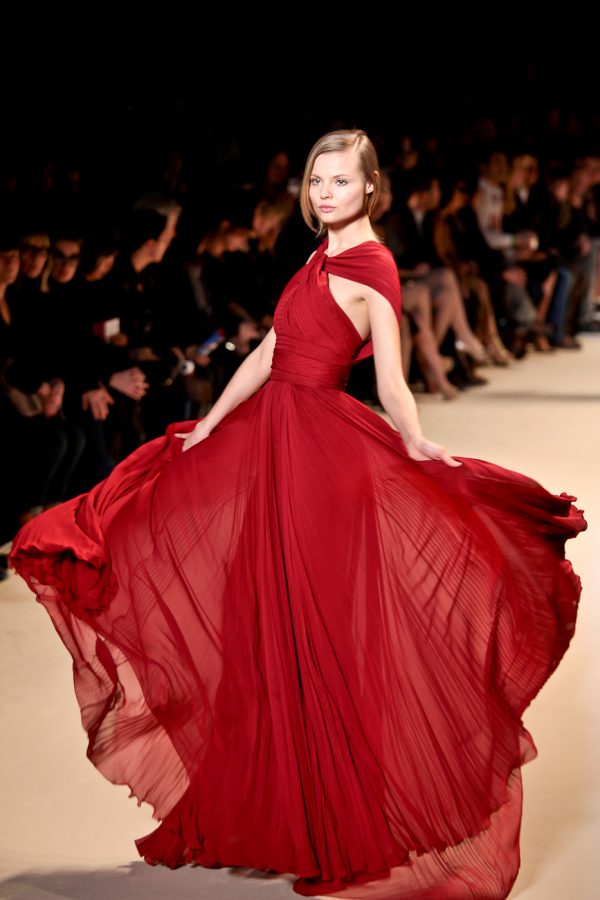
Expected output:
{"points": [[244, 382]]}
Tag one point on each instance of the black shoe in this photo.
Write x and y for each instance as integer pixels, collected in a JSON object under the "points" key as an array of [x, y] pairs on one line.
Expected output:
{"points": [[568, 342], [476, 380], [458, 378], [518, 347], [463, 374]]}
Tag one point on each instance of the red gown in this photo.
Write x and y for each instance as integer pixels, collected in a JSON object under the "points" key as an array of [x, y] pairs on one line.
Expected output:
{"points": [[307, 651]]}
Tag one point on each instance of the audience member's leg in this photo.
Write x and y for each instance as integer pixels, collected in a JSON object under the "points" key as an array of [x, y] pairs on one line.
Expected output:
{"points": [[37, 450], [559, 304], [61, 482], [590, 267], [449, 311], [488, 327]]}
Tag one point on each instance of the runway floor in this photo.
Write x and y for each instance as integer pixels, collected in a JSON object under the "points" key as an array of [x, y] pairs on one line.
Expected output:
{"points": [[68, 833]]}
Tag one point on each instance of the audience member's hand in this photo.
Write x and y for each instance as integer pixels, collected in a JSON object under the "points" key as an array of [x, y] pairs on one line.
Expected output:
{"points": [[201, 359], [527, 240], [245, 333], [131, 382], [584, 245], [97, 401], [119, 339], [144, 354]]}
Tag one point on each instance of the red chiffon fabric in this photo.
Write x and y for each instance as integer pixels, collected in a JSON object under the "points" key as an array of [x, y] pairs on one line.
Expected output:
{"points": [[307, 651]]}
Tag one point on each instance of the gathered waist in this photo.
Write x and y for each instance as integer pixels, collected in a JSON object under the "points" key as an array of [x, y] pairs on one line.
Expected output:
{"points": [[306, 379], [298, 362]]}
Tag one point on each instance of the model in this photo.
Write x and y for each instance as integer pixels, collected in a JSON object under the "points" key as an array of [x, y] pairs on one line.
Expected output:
{"points": [[304, 636]]}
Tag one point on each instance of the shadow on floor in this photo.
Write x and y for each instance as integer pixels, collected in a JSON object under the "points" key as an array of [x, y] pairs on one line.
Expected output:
{"points": [[140, 881]]}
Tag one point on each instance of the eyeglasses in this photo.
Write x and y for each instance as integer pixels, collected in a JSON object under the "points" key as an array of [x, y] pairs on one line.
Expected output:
{"points": [[63, 257], [33, 248]]}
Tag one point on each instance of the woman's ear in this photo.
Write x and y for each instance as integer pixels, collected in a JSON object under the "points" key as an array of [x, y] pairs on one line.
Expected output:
{"points": [[370, 184]]}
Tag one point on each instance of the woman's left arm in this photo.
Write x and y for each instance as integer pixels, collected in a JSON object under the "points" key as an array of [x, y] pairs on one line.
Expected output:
{"points": [[392, 389]]}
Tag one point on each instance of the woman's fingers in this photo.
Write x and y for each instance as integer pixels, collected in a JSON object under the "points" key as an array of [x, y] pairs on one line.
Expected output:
{"points": [[424, 450], [444, 456], [188, 441], [451, 461]]}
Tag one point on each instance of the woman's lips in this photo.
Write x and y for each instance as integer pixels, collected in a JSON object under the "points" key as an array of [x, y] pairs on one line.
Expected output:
{"points": [[326, 208]]}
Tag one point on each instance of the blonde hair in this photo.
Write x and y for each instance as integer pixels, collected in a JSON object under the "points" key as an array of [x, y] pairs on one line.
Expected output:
{"points": [[342, 139]]}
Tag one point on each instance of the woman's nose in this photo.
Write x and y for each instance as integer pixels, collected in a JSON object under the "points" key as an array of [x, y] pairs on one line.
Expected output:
{"points": [[325, 191]]}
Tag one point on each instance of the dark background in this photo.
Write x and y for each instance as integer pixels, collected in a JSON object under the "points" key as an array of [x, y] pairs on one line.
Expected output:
{"points": [[117, 102]]}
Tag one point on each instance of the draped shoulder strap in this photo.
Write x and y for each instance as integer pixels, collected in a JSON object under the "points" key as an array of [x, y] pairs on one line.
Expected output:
{"points": [[369, 263]]}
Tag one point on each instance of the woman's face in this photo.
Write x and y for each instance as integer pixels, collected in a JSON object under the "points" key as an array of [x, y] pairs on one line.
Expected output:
{"points": [[277, 171], [435, 194], [65, 259], [9, 266], [104, 264], [337, 188], [560, 189], [460, 197], [34, 254]]}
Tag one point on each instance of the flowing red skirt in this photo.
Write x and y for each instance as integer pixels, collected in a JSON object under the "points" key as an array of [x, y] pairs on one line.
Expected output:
{"points": [[310, 653]]}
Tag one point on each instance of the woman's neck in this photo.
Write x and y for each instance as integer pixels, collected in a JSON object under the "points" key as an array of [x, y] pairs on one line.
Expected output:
{"points": [[340, 239]]}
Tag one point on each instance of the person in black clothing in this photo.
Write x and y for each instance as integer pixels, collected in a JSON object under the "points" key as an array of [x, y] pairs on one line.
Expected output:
{"points": [[409, 235], [34, 248], [99, 369], [458, 243], [218, 265], [514, 309], [420, 352], [522, 214], [41, 448], [143, 309], [564, 229], [192, 320]]}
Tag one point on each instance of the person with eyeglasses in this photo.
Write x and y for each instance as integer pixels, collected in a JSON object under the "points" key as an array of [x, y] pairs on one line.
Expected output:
{"points": [[33, 248]]}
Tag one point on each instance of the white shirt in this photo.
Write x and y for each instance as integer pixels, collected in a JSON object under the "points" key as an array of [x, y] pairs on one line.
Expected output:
{"points": [[490, 209]]}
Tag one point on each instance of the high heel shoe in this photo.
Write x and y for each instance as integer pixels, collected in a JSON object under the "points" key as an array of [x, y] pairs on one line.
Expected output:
{"points": [[437, 383], [446, 389], [498, 353], [541, 343], [475, 350]]}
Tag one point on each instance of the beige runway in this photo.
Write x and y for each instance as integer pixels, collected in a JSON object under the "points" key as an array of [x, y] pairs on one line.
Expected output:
{"points": [[68, 833]]}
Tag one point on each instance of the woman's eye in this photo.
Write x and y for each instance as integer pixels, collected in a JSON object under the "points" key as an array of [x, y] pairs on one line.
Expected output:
{"points": [[342, 181]]}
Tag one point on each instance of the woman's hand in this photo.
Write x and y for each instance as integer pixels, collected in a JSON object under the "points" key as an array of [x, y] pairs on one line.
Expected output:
{"points": [[97, 401], [131, 382], [420, 448], [197, 434]]}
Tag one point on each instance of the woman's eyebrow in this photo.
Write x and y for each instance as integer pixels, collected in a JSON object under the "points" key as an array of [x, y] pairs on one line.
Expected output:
{"points": [[341, 175]]}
